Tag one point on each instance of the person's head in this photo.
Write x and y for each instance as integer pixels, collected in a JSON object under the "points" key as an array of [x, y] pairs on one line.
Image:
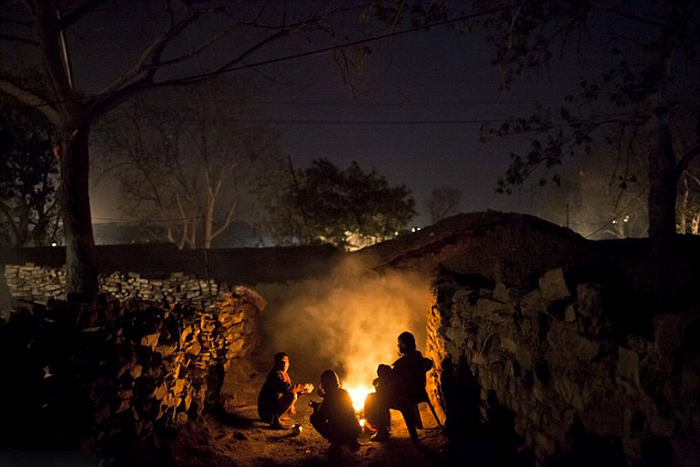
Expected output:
{"points": [[329, 380], [383, 370], [407, 342], [281, 361]]}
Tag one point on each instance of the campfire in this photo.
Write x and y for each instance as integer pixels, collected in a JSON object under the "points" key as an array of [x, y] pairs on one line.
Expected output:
{"points": [[358, 394]]}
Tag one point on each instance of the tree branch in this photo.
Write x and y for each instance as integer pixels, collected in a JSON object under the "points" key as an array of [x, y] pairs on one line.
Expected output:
{"points": [[259, 45], [213, 40], [227, 221], [7, 212], [105, 103], [47, 33], [16, 21], [9, 38], [151, 53], [628, 13], [687, 158], [75, 15], [114, 99], [29, 98]]}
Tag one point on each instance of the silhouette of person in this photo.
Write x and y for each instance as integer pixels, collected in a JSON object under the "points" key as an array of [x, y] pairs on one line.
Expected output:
{"points": [[374, 412], [278, 395], [402, 388], [334, 418]]}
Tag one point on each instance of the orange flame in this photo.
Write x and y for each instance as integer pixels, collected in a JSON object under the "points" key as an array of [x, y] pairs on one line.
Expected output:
{"points": [[358, 395]]}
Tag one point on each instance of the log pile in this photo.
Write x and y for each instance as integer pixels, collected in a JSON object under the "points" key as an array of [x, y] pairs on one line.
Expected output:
{"points": [[117, 374]]}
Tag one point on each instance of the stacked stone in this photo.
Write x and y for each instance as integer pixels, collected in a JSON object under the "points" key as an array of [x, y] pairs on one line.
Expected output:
{"points": [[576, 362], [35, 283], [119, 373], [39, 283], [178, 287]]}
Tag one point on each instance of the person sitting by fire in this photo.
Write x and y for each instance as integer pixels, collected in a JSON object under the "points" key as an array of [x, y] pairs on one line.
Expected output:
{"points": [[401, 388], [334, 418], [374, 413], [278, 395]]}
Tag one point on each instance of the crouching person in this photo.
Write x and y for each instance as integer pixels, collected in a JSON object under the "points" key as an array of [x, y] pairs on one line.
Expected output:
{"points": [[278, 395], [334, 418]]}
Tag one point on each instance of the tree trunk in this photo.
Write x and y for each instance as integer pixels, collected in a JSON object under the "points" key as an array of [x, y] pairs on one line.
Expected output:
{"points": [[683, 208], [662, 186], [208, 221], [81, 273], [662, 212]]}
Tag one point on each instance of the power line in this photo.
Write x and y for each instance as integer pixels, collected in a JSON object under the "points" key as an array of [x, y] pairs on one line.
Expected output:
{"points": [[319, 51], [407, 104]]}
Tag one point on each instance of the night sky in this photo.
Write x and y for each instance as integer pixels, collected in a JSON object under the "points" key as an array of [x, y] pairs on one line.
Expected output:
{"points": [[421, 77], [415, 115]]}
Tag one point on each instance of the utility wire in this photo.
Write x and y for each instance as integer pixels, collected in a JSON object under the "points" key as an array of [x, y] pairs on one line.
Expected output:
{"points": [[406, 104], [319, 51]]}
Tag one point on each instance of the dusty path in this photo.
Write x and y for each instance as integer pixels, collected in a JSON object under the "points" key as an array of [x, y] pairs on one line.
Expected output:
{"points": [[237, 438]]}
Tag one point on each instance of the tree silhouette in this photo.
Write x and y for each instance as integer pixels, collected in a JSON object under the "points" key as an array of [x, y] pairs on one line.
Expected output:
{"points": [[347, 208], [28, 173], [443, 202], [187, 42]]}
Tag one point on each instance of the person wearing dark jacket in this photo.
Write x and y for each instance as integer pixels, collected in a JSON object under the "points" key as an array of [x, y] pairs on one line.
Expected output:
{"points": [[278, 395], [334, 418], [404, 388]]}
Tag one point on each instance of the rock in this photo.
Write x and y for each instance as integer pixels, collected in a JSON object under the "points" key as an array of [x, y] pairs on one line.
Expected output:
{"points": [[668, 332], [662, 426], [553, 286], [570, 314], [509, 345], [590, 302], [628, 365], [532, 304], [150, 340]]}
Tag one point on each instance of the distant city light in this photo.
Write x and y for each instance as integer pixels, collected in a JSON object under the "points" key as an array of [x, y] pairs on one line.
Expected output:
{"points": [[54, 244]]}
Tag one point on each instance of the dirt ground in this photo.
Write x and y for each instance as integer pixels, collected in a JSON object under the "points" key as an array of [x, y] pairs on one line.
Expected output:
{"points": [[236, 437]]}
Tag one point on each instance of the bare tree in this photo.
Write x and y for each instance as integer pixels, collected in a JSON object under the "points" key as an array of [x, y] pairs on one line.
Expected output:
{"points": [[190, 163], [646, 84], [602, 196], [443, 202], [186, 42]]}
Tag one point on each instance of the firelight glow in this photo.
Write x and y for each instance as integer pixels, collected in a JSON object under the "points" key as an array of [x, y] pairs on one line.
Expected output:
{"points": [[358, 395]]}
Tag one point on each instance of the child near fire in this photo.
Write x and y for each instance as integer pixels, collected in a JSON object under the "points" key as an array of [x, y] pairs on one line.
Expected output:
{"points": [[376, 417], [334, 418]]}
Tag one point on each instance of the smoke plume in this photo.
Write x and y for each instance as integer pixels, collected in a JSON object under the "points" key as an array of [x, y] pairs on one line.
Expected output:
{"points": [[348, 322]]}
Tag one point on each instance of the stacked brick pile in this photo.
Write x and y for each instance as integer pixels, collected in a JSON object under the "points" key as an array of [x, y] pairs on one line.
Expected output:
{"points": [[117, 374], [39, 283], [35, 283]]}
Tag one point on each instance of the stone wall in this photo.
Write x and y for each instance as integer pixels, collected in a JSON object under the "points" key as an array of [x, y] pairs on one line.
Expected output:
{"points": [[117, 376], [38, 283], [580, 366]]}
